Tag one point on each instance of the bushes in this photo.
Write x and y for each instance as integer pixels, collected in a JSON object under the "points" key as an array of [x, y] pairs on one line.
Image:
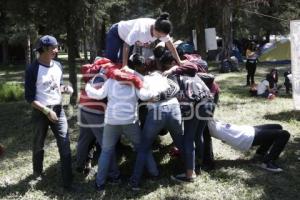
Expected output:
{"points": [[11, 92]]}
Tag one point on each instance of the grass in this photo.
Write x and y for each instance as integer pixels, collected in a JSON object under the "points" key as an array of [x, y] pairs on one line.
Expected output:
{"points": [[234, 178]]}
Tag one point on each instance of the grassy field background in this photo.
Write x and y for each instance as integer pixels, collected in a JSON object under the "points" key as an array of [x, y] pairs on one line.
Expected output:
{"points": [[234, 178]]}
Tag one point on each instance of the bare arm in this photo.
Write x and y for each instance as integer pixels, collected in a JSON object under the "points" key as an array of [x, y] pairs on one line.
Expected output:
{"points": [[171, 47], [94, 93]]}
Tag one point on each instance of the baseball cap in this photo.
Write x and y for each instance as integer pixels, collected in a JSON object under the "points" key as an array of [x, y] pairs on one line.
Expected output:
{"points": [[46, 40]]}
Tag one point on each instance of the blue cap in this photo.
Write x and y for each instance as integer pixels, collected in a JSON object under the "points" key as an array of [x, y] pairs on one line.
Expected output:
{"points": [[46, 40]]}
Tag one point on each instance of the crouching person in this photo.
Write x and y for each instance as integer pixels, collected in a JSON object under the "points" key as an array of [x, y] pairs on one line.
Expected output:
{"points": [[270, 138]]}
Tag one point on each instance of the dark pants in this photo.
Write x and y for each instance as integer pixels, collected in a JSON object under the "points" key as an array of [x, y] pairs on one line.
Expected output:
{"points": [[271, 140], [60, 131], [251, 68], [91, 131], [114, 45], [195, 136]]}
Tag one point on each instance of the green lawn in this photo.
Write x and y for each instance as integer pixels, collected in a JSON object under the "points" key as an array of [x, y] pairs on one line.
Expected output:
{"points": [[234, 178]]}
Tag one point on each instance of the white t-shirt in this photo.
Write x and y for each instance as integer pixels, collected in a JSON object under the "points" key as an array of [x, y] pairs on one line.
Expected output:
{"points": [[239, 137], [262, 87], [122, 100], [48, 84], [138, 30]]}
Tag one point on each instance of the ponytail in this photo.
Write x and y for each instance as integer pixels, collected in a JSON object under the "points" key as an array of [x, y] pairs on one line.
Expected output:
{"points": [[164, 16], [163, 24]]}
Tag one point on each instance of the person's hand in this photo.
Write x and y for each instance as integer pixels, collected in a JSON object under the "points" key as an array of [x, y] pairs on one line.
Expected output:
{"points": [[67, 89], [127, 69], [170, 71], [52, 116], [167, 72], [181, 62]]}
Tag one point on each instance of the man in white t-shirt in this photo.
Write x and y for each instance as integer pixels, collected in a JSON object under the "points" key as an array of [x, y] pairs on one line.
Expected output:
{"points": [[141, 32], [43, 89], [270, 138]]}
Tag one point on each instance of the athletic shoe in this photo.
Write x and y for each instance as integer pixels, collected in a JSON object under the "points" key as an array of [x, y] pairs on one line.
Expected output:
{"points": [[183, 179], [270, 166], [133, 186], [100, 189]]}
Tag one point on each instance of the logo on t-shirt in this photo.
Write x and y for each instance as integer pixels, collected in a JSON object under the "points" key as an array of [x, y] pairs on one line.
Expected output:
{"points": [[51, 85]]}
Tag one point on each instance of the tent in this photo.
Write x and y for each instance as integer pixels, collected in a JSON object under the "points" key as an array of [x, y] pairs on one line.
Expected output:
{"points": [[276, 52]]}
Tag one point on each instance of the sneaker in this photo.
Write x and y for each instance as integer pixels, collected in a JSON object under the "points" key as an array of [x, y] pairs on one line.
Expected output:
{"points": [[100, 189], [133, 186], [114, 181], [270, 166], [38, 176], [183, 179]]}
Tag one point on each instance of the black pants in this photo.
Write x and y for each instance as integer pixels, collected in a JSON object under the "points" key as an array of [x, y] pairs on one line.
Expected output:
{"points": [[271, 139], [251, 69]]}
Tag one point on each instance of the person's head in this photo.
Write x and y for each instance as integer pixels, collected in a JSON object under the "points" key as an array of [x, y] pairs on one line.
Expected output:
{"points": [[167, 60], [252, 46], [269, 77], [137, 62], [158, 51], [162, 26], [47, 45]]}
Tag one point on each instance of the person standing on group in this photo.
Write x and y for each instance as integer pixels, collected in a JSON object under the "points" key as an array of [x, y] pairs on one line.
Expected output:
{"points": [[251, 56], [141, 32], [43, 90]]}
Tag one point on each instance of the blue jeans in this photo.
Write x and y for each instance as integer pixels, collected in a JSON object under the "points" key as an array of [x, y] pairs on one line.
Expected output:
{"points": [[90, 128], [114, 45], [193, 132], [60, 130], [164, 117], [111, 135]]}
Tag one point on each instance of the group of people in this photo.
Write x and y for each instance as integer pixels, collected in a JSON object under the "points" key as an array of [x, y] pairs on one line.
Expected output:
{"points": [[140, 98]]}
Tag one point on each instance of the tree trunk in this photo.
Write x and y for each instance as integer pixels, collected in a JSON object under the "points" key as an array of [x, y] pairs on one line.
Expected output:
{"points": [[227, 29], [28, 50], [93, 50], [72, 51], [100, 36], [4, 52], [200, 28], [85, 49]]}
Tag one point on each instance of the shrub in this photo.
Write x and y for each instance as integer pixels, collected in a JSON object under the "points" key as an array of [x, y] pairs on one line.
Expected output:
{"points": [[11, 92]]}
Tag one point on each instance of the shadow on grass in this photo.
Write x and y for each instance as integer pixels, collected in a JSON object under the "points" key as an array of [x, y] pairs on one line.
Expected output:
{"points": [[284, 116]]}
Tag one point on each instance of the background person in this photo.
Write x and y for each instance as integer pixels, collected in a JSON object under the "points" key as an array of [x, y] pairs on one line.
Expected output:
{"points": [[251, 62]]}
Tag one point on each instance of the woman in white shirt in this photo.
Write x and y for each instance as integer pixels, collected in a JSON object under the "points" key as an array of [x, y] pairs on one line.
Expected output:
{"points": [[141, 32]]}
